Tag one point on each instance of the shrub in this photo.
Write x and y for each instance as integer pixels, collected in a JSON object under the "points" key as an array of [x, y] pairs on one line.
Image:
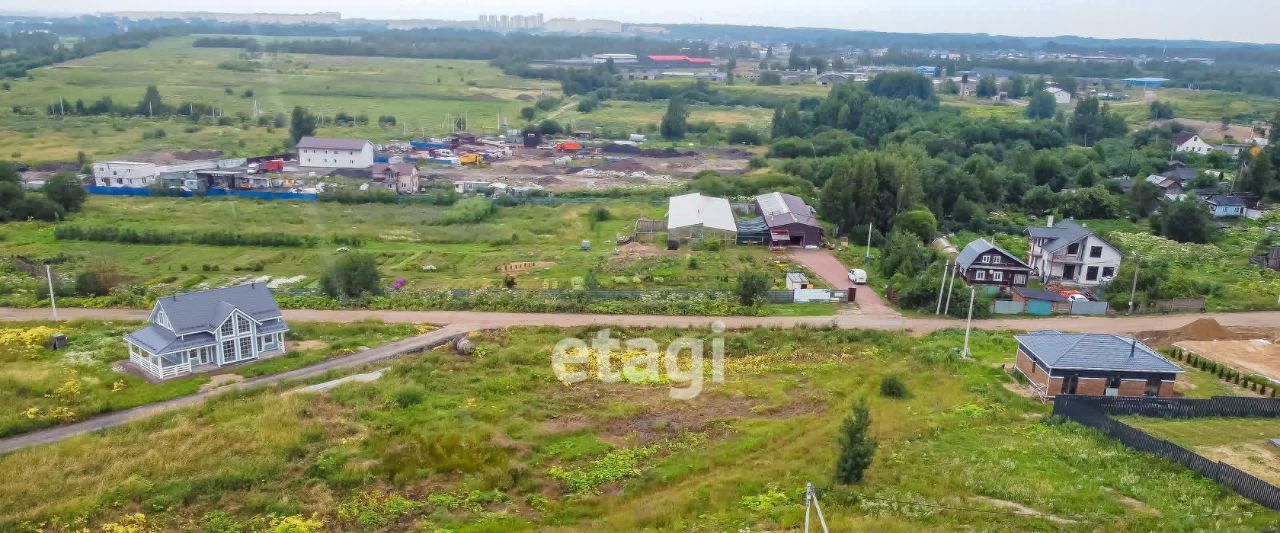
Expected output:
{"points": [[351, 275], [856, 448], [752, 284], [891, 386], [409, 395], [599, 214]]}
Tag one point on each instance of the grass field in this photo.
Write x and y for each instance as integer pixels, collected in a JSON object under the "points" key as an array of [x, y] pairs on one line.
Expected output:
{"points": [[629, 117], [40, 387], [404, 238], [419, 93], [494, 442], [1240, 442]]}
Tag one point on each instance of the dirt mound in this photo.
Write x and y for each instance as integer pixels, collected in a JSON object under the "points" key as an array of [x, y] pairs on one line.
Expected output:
{"points": [[1204, 329], [636, 150], [626, 165], [196, 155]]}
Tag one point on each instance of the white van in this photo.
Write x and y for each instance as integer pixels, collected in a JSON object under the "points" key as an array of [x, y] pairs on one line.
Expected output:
{"points": [[858, 276]]}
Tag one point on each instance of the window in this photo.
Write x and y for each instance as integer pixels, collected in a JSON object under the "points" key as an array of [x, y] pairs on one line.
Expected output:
{"points": [[986, 259], [980, 275], [228, 351], [1020, 279], [228, 328], [1108, 272], [246, 347], [242, 324], [1153, 387], [1073, 248], [997, 275], [1095, 251], [1091, 274]]}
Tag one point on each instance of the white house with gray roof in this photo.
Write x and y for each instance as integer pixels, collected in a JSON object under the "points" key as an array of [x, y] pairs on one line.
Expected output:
{"points": [[1069, 253], [1093, 364], [335, 152], [206, 330]]}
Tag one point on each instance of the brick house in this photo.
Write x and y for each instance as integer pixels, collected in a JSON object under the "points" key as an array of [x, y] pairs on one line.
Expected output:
{"points": [[983, 263], [1093, 364]]}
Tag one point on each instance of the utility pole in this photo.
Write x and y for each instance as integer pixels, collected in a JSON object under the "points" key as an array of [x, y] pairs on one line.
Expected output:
{"points": [[866, 258], [811, 500], [969, 323], [1133, 290], [946, 308], [943, 285], [48, 272]]}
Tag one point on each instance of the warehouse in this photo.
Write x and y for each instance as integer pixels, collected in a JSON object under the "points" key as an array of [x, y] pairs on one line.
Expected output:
{"points": [[695, 218], [790, 220]]}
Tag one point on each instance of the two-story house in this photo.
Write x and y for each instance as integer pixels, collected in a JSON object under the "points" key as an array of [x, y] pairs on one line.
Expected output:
{"points": [[205, 330], [335, 152], [399, 177], [1190, 142], [983, 263], [1068, 252]]}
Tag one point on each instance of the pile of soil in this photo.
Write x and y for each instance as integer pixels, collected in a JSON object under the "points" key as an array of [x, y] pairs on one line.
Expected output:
{"points": [[197, 155], [636, 150], [1204, 329], [626, 165]]}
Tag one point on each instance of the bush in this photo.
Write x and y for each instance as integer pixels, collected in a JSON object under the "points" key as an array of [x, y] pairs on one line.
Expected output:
{"points": [[98, 281], [752, 285], [599, 214], [891, 386], [856, 448], [351, 275]]}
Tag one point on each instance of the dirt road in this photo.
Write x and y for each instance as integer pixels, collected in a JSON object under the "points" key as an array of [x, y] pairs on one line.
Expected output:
{"points": [[853, 319], [824, 264]]}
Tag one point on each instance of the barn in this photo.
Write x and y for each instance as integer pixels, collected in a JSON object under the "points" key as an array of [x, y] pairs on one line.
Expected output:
{"points": [[790, 220]]}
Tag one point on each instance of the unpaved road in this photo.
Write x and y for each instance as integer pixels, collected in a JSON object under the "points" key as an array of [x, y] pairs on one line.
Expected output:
{"points": [[848, 319]]}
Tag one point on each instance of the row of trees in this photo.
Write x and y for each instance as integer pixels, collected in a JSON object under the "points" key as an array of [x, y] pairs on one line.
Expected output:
{"points": [[62, 194]]}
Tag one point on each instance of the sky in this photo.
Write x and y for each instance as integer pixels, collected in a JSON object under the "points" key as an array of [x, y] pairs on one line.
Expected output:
{"points": [[1155, 19]]}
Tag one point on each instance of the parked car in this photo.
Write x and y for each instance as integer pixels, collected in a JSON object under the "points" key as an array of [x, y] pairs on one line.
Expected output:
{"points": [[858, 276]]}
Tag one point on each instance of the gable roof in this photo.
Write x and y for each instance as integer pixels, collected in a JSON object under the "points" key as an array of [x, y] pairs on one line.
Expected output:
{"points": [[973, 250], [332, 143], [1181, 138], [1224, 200], [206, 310], [1094, 351], [1181, 173], [398, 168], [694, 209], [1064, 233], [780, 209]]}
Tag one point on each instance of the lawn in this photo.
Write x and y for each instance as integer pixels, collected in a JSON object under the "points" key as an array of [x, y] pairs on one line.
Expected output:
{"points": [[625, 116], [421, 94], [1240, 442], [544, 243], [40, 387], [493, 442], [1209, 106]]}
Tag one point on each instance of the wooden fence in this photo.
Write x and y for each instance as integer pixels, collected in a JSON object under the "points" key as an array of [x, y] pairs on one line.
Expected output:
{"points": [[1095, 413], [1177, 305]]}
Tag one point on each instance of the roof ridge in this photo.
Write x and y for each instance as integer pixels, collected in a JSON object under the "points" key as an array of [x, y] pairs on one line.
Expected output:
{"points": [[211, 289]]}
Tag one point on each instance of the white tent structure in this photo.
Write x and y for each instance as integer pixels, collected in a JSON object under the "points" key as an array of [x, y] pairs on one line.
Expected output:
{"points": [[695, 218]]}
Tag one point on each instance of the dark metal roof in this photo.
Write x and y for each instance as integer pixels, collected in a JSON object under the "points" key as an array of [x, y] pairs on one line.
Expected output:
{"points": [[1039, 294], [332, 143], [157, 340], [1062, 234], [206, 310], [1225, 200], [1094, 351], [973, 250], [780, 209], [1182, 174]]}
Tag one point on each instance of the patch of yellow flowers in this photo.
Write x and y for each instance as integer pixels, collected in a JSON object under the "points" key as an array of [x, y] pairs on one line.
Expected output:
{"points": [[28, 338]]}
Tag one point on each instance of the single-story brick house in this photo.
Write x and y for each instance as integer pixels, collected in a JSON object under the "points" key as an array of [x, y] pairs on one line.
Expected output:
{"points": [[1093, 364]]}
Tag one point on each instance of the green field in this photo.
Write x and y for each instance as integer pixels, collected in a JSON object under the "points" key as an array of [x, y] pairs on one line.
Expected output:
{"points": [[407, 240], [419, 93], [627, 116], [40, 387], [493, 442]]}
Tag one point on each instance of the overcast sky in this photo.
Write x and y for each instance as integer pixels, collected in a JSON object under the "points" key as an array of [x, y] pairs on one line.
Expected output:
{"points": [[1159, 19]]}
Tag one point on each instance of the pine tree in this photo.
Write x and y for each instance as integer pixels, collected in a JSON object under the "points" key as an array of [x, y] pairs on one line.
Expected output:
{"points": [[856, 448]]}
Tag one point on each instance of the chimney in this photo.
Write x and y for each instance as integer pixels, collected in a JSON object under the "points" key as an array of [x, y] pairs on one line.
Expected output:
{"points": [[1048, 222]]}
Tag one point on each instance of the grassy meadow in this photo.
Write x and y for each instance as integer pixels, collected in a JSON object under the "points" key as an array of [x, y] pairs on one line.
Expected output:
{"points": [[419, 93], [409, 241], [1240, 442], [494, 442], [40, 387]]}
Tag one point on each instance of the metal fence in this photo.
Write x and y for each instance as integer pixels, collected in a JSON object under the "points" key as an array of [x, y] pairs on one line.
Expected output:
{"points": [[1176, 305], [256, 195], [1006, 307], [1095, 413]]}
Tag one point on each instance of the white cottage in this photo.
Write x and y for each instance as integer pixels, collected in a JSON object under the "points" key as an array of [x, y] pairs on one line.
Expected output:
{"points": [[124, 174], [1070, 253], [205, 330]]}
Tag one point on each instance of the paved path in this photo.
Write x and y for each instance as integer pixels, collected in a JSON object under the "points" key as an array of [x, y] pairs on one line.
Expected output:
{"points": [[825, 264], [381, 353]]}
